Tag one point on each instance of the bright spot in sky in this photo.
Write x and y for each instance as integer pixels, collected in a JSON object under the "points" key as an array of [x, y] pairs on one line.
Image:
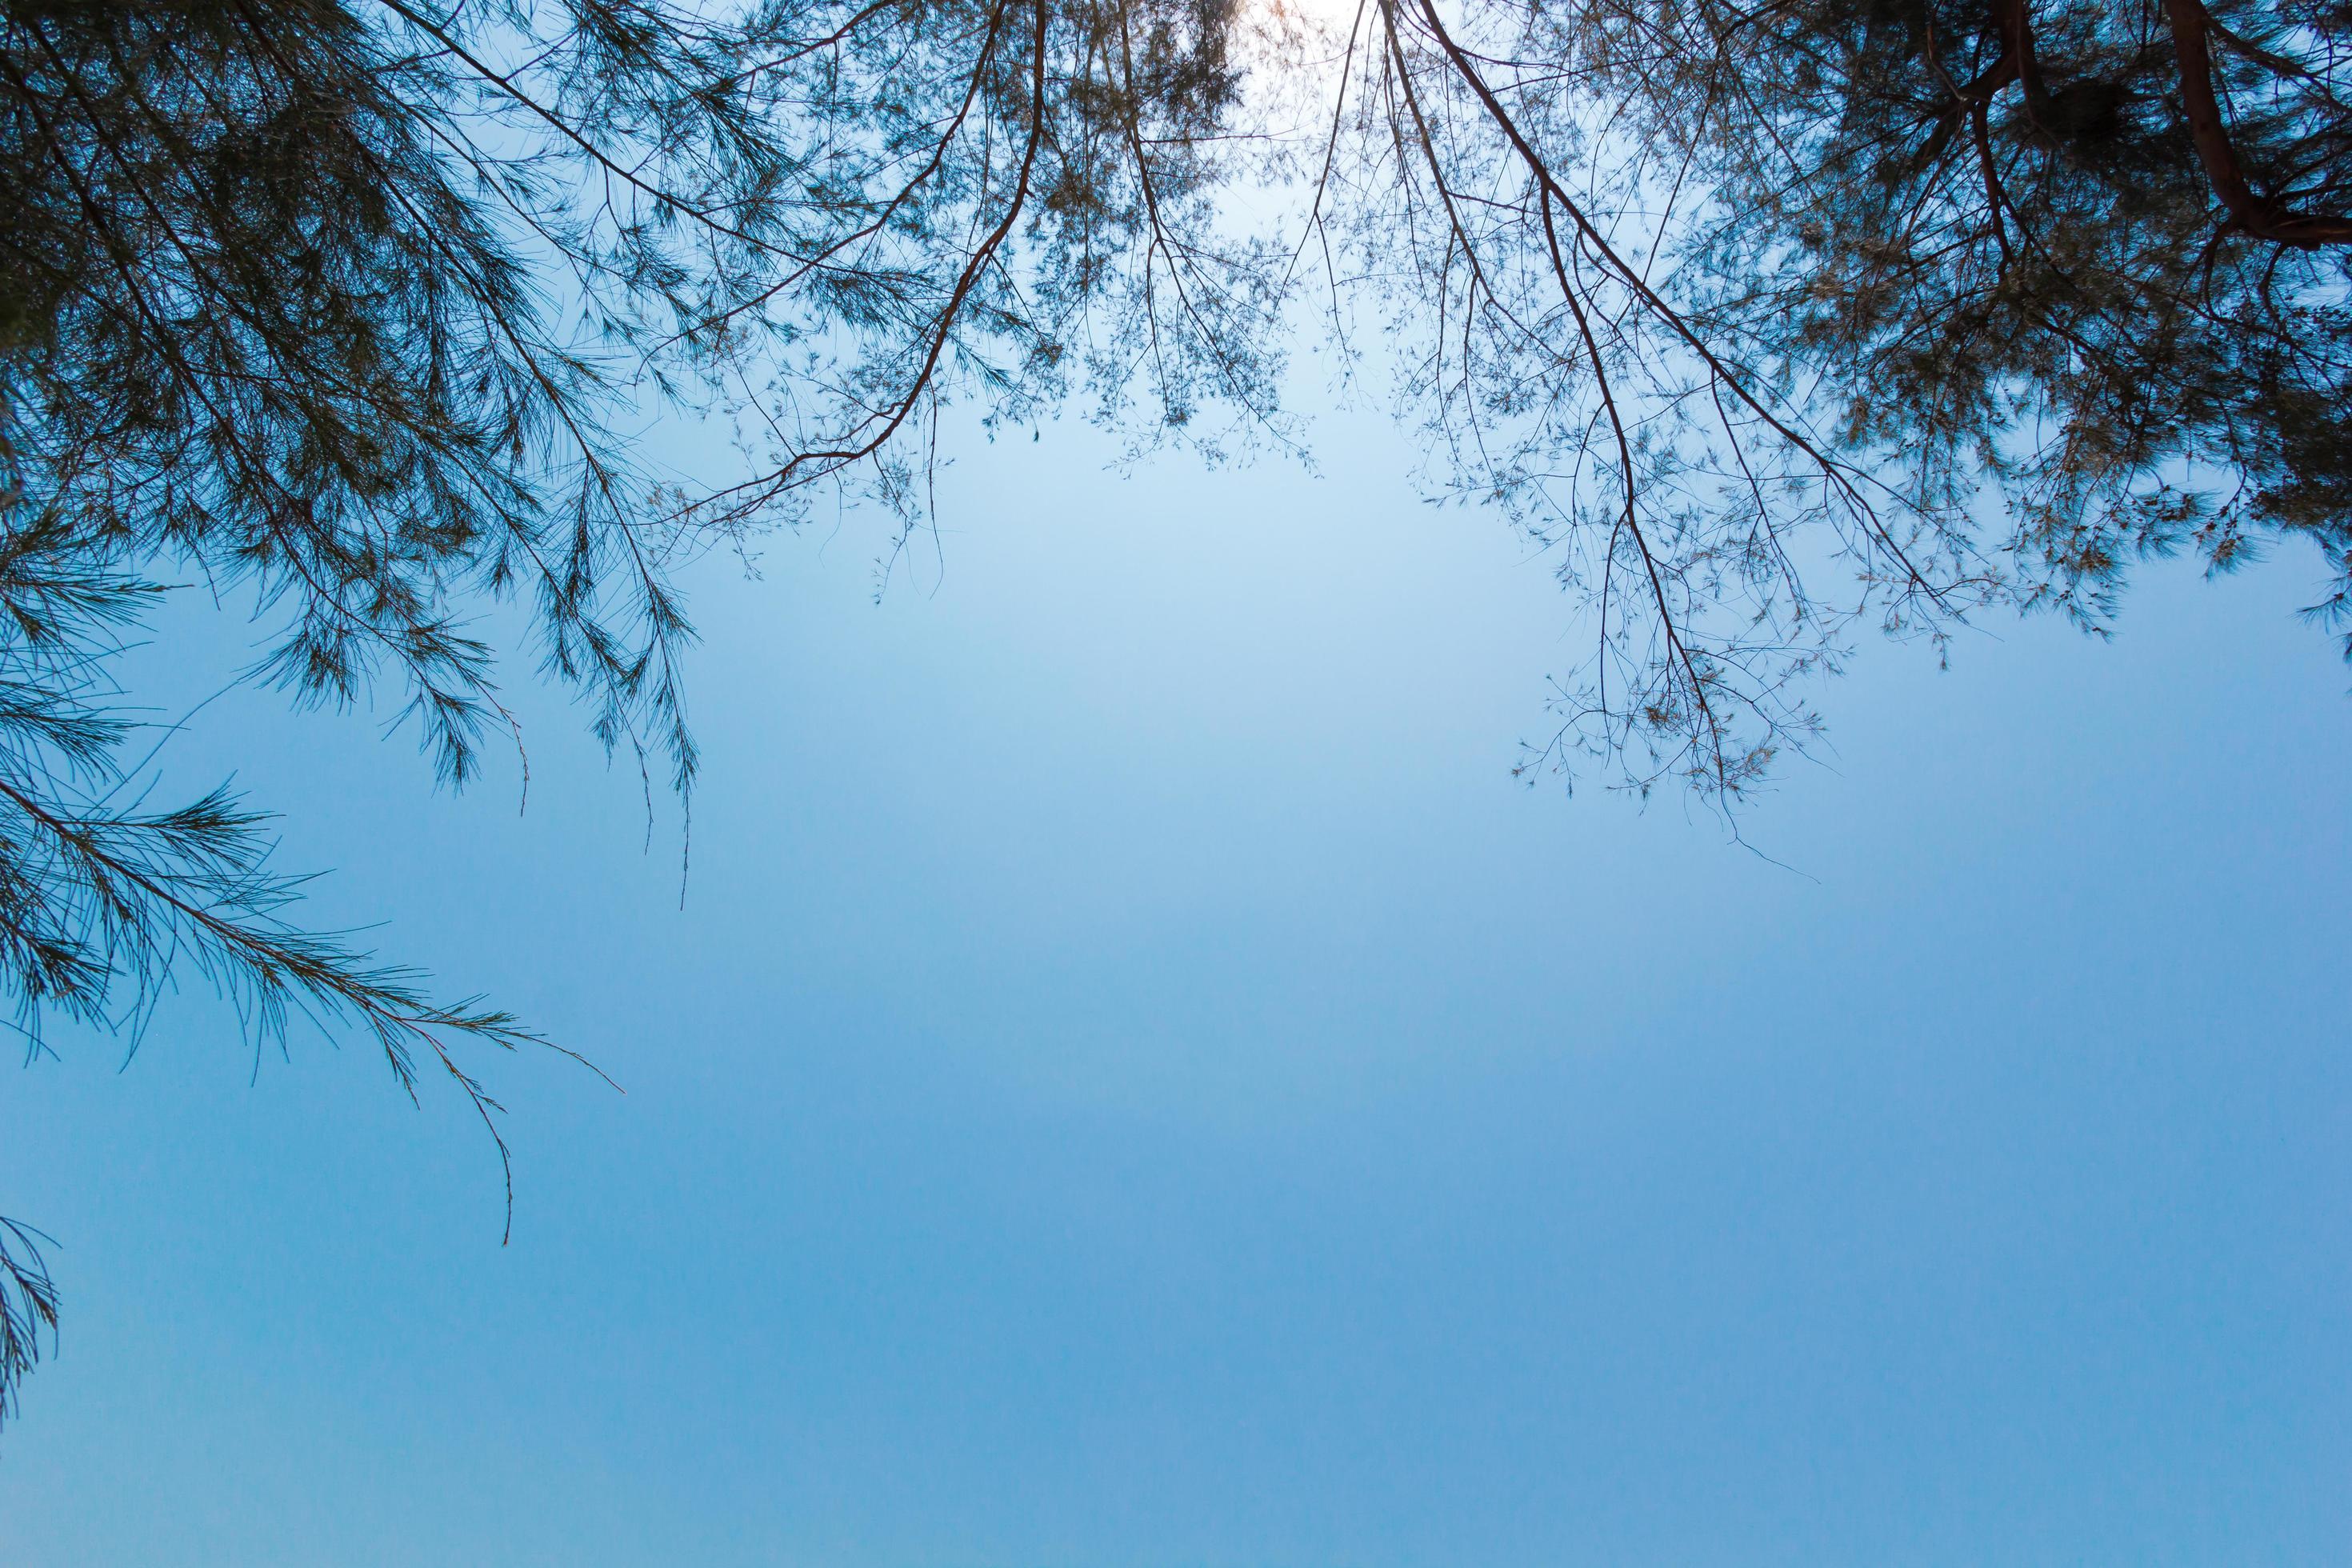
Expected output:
{"points": [[1335, 16]]}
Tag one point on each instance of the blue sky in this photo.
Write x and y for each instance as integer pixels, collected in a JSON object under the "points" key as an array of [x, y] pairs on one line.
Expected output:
{"points": [[1135, 1081]]}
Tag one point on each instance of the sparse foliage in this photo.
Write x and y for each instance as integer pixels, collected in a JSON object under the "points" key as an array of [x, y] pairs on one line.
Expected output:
{"points": [[28, 1308], [1777, 318]]}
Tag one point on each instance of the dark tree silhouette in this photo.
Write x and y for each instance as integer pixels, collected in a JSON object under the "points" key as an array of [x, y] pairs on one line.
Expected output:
{"points": [[1774, 320], [1781, 315]]}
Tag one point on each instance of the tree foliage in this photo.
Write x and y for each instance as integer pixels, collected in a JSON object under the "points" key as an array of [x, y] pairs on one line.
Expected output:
{"points": [[1773, 321], [1776, 316]]}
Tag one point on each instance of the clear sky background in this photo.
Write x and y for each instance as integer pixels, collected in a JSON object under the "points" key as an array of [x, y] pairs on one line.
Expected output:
{"points": [[1135, 1081]]}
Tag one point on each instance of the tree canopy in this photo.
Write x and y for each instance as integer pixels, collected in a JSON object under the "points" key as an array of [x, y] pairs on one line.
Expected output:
{"points": [[1774, 321]]}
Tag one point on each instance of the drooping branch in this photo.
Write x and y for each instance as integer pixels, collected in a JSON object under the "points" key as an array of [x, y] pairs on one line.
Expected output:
{"points": [[28, 1306], [2264, 217]]}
